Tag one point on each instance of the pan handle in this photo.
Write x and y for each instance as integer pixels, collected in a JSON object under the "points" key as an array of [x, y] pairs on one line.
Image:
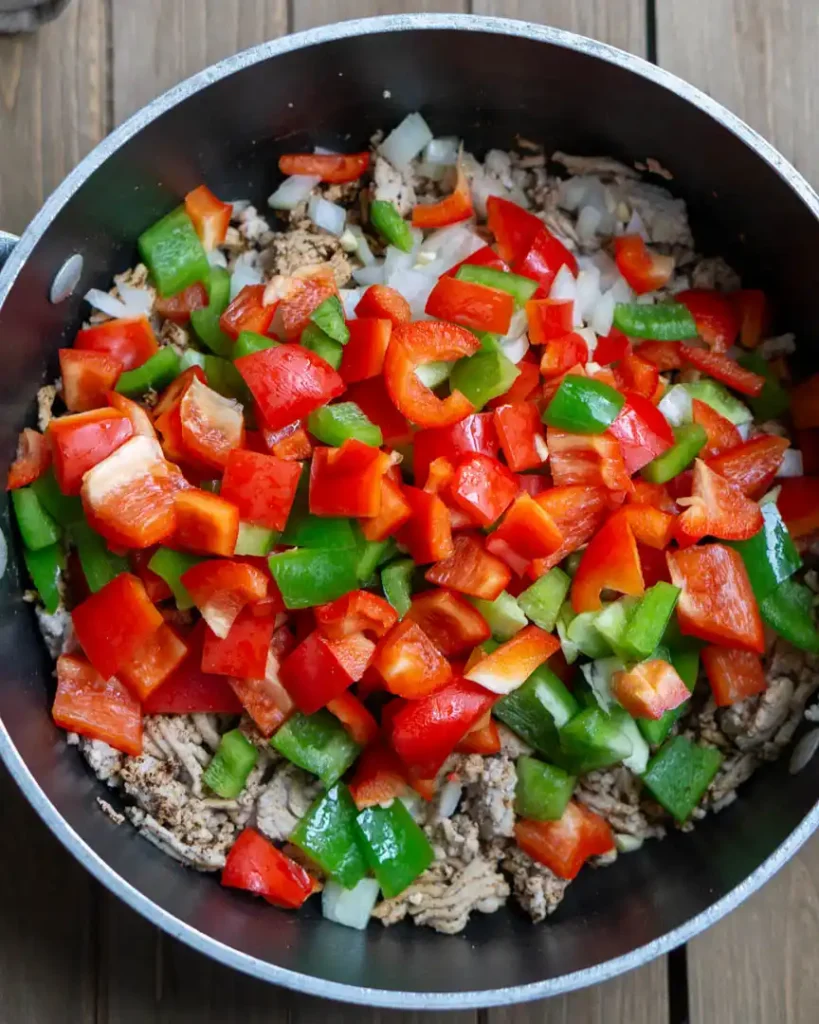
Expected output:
{"points": [[7, 244]]}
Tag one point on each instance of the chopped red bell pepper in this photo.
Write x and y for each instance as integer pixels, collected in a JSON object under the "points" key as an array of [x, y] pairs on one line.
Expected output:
{"points": [[153, 661], [262, 487], [372, 399], [722, 434], [717, 603], [610, 562], [211, 425], [96, 707], [378, 776], [717, 509], [471, 569], [221, 589], [394, 512], [565, 845], [428, 533], [439, 481], [715, 316], [364, 353], [483, 738], [550, 319], [753, 313], [508, 667], [723, 369], [475, 433], [650, 525], [562, 354], [210, 216], [244, 651], [140, 420], [543, 259], [752, 465], [642, 430], [355, 718], [645, 493], [247, 312], [87, 377], [732, 674], [649, 689], [471, 305], [205, 523], [425, 732], [303, 294], [381, 301], [409, 663], [521, 435], [32, 460], [611, 348], [525, 242], [526, 532], [189, 690], [335, 168], [577, 512], [112, 624], [155, 587], [798, 504], [288, 382], [450, 622], [643, 269], [254, 864], [592, 460], [130, 342], [356, 612], [346, 481], [523, 388], [634, 374], [179, 307], [320, 669], [264, 699], [449, 210], [172, 395], [665, 355], [483, 488], [484, 257]]}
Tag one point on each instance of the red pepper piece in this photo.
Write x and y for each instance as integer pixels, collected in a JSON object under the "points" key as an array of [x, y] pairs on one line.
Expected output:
{"points": [[610, 562], [155, 587], [262, 487], [665, 355], [798, 504], [717, 509], [543, 259], [449, 210], [471, 305], [565, 845], [513, 227], [244, 651], [428, 533], [130, 342], [381, 301], [805, 403], [288, 382], [364, 353], [638, 375], [508, 667], [265, 699], [372, 399], [439, 481], [450, 622], [611, 348], [304, 293], [211, 425], [752, 465], [425, 732], [221, 589], [484, 257], [657, 495], [210, 216], [179, 307], [140, 420], [394, 512], [524, 387], [642, 430], [87, 377], [320, 669], [254, 864], [653, 564], [650, 525], [475, 433], [378, 777], [153, 661], [355, 718], [292, 443], [247, 312], [722, 434], [484, 739], [754, 315], [32, 460], [346, 481], [550, 319], [577, 512], [717, 603], [733, 675], [205, 523], [561, 354], [526, 532], [112, 624], [715, 317], [409, 663], [96, 707], [483, 488], [649, 689], [336, 168], [356, 612], [172, 395], [644, 270], [723, 369], [586, 459], [188, 689], [471, 569], [521, 436], [81, 441]]}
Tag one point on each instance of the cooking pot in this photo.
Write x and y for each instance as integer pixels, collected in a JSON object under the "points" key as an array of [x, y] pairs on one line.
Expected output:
{"points": [[485, 80]]}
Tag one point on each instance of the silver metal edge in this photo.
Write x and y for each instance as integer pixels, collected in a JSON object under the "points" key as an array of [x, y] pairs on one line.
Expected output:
{"points": [[31, 789]]}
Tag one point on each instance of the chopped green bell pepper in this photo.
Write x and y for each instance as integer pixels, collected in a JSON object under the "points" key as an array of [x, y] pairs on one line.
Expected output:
{"points": [[687, 663], [637, 760], [543, 790], [593, 740], [310, 576], [222, 376], [388, 222], [255, 540], [712, 393], [679, 774], [329, 317], [170, 565], [309, 531], [249, 343], [371, 554], [317, 743], [396, 581], [541, 602], [205, 322], [395, 846], [689, 440], [571, 563], [503, 615], [772, 402], [99, 564], [433, 374], [520, 288], [329, 836], [769, 556], [598, 674], [666, 321], [483, 376], [788, 610], [64, 508], [173, 253], [649, 619], [537, 710], [489, 342], [317, 341], [154, 374], [335, 424], [37, 528], [233, 761], [45, 567], [583, 406], [581, 631], [612, 621]]}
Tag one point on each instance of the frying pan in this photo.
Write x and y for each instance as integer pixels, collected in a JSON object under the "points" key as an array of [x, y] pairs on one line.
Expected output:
{"points": [[485, 80]]}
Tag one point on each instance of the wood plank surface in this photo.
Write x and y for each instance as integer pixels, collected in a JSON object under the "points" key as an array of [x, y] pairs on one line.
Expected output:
{"points": [[619, 22], [758, 58]]}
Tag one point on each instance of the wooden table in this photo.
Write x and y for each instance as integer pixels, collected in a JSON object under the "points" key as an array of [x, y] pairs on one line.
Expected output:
{"points": [[71, 953]]}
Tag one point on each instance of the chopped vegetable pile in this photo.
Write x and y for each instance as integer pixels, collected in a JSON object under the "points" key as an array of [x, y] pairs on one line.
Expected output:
{"points": [[491, 492]]}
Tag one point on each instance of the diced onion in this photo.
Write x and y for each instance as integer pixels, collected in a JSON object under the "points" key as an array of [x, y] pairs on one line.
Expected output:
{"points": [[588, 295], [239, 206], [588, 335], [350, 907], [676, 406], [564, 285], [396, 261], [323, 151], [648, 299], [363, 250], [609, 274], [442, 151], [137, 300], [435, 172], [515, 348], [415, 286], [106, 303], [243, 275], [621, 292], [588, 223], [744, 430], [216, 258], [449, 798], [636, 226], [292, 191], [350, 298], [329, 216], [372, 274], [791, 464], [406, 141], [598, 674], [602, 317]]}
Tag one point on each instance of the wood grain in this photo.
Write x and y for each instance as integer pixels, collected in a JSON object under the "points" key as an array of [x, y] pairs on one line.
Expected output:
{"points": [[309, 13]]}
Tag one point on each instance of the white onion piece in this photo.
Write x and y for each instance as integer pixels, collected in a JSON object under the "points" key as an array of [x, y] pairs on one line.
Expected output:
{"points": [[373, 274], [435, 172], [138, 300], [518, 325], [588, 223], [350, 907], [609, 274], [449, 798], [106, 303], [648, 299], [572, 193], [636, 226], [744, 430], [415, 286], [4, 554], [396, 261], [588, 295], [323, 151], [515, 348], [239, 206], [406, 141], [442, 151], [482, 186], [453, 238], [602, 317], [589, 335], [564, 285], [621, 292], [243, 275], [362, 248], [216, 258], [676, 406], [326, 215], [292, 191], [791, 464], [350, 298]]}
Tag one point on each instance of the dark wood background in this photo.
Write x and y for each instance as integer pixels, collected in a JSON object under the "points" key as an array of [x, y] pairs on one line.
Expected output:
{"points": [[71, 953]]}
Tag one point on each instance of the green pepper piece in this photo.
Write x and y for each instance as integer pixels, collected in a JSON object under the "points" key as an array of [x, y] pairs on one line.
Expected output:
{"points": [[206, 321], [593, 740], [191, 357], [571, 563], [170, 565], [712, 393], [335, 424], [612, 621], [637, 760], [483, 376], [543, 790], [542, 601], [583, 406], [772, 402], [310, 576], [537, 710], [249, 343], [689, 440], [255, 540], [154, 375], [317, 743], [45, 567], [769, 556], [396, 581], [433, 374], [667, 321], [582, 631], [328, 316], [65, 508], [388, 222], [520, 288], [173, 253], [37, 528], [230, 766], [788, 610], [649, 620], [679, 774], [99, 564], [395, 847], [224, 378], [503, 615], [489, 342], [314, 338], [329, 836], [371, 554]]}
